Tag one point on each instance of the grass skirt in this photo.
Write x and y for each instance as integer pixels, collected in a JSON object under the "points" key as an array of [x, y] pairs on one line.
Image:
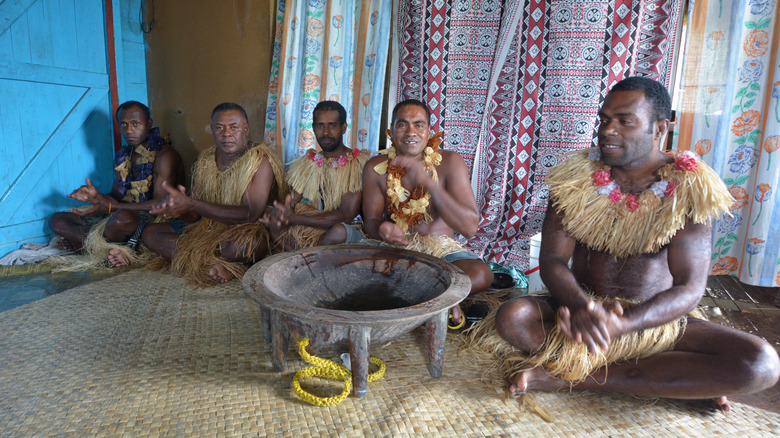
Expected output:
{"points": [[560, 356], [96, 249], [198, 249], [300, 236], [434, 245]]}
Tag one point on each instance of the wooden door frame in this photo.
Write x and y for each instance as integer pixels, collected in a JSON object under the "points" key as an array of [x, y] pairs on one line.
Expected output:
{"points": [[112, 79]]}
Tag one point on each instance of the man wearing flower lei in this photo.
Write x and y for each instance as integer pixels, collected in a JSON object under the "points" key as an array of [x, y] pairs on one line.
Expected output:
{"points": [[110, 228], [636, 223], [415, 196], [325, 188], [216, 233]]}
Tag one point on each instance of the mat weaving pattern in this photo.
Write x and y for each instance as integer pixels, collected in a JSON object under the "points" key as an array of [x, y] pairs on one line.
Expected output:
{"points": [[143, 354]]}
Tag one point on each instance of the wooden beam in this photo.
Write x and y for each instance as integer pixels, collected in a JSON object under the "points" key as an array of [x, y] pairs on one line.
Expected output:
{"points": [[16, 71], [112, 72], [691, 72], [11, 10]]}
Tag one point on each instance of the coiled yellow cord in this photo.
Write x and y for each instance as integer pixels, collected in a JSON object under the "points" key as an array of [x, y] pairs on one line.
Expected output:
{"points": [[459, 325], [330, 370]]}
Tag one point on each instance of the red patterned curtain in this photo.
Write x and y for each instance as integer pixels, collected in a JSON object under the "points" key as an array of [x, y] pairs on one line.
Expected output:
{"points": [[517, 84]]}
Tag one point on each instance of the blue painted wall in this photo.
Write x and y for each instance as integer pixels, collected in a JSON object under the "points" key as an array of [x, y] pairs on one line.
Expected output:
{"points": [[130, 47], [55, 110]]}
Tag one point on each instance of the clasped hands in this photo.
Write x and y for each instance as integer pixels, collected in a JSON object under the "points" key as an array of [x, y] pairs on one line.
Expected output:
{"points": [[88, 193], [175, 204], [277, 217], [595, 325], [391, 233]]}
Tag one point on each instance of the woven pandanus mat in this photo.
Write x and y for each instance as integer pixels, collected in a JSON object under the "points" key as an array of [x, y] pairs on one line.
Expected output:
{"points": [[143, 354]]}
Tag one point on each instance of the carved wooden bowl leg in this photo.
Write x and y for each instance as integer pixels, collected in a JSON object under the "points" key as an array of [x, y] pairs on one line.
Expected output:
{"points": [[437, 337], [359, 342]]}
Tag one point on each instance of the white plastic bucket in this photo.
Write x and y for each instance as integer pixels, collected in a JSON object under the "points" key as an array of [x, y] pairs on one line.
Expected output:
{"points": [[534, 279]]}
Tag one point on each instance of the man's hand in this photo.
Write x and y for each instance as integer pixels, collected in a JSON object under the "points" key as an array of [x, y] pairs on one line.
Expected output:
{"points": [[595, 325], [277, 218], [88, 193], [92, 210], [392, 233], [175, 204], [85, 193]]}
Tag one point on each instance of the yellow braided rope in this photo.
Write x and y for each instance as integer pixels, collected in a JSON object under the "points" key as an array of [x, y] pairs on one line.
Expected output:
{"points": [[329, 370], [459, 325]]}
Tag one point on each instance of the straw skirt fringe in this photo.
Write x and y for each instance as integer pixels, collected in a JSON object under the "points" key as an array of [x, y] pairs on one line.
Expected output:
{"points": [[560, 356], [96, 249], [198, 249], [301, 236]]}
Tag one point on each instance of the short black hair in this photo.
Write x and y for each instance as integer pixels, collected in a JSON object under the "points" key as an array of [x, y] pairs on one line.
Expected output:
{"points": [[415, 102], [654, 91], [330, 105], [133, 103], [229, 106]]}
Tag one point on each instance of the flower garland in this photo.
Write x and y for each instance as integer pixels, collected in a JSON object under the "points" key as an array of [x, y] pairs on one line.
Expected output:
{"points": [[409, 208], [322, 181], [602, 180], [321, 160], [697, 196]]}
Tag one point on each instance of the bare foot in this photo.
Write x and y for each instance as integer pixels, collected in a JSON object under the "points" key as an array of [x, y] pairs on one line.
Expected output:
{"points": [[220, 274], [723, 404], [67, 246], [456, 317], [117, 258], [534, 379]]}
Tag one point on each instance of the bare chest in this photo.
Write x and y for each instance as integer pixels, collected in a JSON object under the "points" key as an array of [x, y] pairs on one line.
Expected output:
{"points": [[637, 278]]}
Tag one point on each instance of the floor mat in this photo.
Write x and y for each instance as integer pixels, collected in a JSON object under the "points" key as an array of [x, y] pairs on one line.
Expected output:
{"points": [[142, 353], [26, 283]]}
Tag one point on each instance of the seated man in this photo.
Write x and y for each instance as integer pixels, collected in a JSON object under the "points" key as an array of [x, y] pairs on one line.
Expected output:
{"points": [[416, 196], [232, 182], [143, 164], [325, 188], [636, 222]]}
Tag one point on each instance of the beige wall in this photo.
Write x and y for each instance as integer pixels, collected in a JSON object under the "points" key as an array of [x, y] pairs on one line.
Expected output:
{"points": [[202, 53]]}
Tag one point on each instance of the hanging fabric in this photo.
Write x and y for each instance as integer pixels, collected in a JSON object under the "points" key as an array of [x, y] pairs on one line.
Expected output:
{"points": [[517, 84], [327, 50]]}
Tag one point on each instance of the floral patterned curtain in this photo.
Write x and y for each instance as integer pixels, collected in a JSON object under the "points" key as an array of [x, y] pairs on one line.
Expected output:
{"points": [[327, 50], [730, 116]]}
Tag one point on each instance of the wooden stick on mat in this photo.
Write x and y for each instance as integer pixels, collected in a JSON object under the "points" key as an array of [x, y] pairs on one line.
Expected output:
{"points": [[526, 400]]}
